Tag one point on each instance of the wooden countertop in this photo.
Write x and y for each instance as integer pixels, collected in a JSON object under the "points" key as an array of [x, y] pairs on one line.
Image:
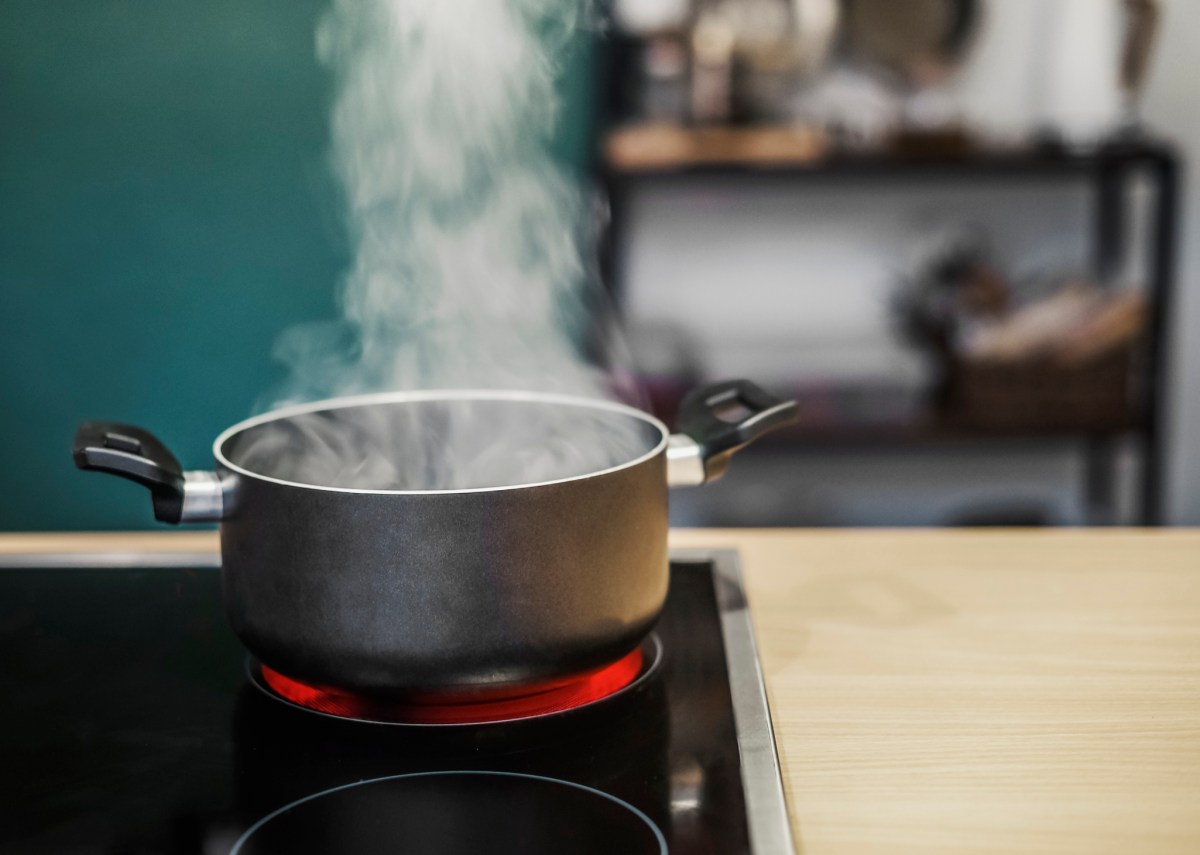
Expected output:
{"points": [[955, 691]]}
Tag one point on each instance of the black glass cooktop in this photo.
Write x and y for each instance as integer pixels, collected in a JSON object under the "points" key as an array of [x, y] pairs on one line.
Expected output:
{"points": [[128, 726]]}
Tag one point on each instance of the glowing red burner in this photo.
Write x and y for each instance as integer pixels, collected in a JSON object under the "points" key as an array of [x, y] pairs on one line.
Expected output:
{"points": [[476, 706]]}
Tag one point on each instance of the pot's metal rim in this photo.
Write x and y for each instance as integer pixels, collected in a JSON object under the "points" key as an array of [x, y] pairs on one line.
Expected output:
{"points": [[440, 395]]}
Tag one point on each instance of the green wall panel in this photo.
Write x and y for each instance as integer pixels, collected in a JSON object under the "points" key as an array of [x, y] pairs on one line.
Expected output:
{"points": [[165, 212]]}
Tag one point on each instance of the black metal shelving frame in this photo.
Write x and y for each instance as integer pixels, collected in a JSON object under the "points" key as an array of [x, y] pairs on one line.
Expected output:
{"points": [[1111, 169]]}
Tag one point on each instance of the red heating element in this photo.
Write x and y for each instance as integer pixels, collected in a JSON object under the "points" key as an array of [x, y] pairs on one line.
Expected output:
{"points": [[477, 706]]}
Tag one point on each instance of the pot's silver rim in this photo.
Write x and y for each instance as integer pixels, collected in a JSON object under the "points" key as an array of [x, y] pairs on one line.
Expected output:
{"points": [[440, 395]]}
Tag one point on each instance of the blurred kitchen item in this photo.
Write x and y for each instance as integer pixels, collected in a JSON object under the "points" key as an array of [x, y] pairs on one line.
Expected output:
{"points": [[1035, 330], [950, 285], [1062, 359], [1065, 362], [662, 87], [778, 44], [713, 40], [897, 58], [1101, 52], [920, 41], [998, 90], [1116, 322], [1071, 326], [751, 55], [857, 109], [659, 79], [1142, 19], [1043, 394], [645, 18], [762, 29], [814, 28], [1071, 67]]}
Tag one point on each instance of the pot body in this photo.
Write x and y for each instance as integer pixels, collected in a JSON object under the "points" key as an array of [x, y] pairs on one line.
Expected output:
{"points": [[446, 563], [412, 542], [386, 592]]}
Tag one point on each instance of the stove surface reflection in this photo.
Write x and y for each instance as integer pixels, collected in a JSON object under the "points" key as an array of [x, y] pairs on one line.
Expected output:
{"points": [[130, 728]]}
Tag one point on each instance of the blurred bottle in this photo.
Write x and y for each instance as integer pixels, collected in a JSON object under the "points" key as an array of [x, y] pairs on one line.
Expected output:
{"points": [[751, 56], [664, 81], [1098, 62], [713, 40], [659, 87]]}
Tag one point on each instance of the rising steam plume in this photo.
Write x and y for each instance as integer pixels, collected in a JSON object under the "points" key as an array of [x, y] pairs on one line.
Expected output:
{"points": [[470, 267]]}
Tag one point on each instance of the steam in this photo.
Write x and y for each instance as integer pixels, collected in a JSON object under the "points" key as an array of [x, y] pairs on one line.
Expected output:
{"points": [[470, 266]]}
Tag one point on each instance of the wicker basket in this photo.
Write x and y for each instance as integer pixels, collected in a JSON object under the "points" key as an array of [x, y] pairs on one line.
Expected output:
{"points": [[1098, 394]]}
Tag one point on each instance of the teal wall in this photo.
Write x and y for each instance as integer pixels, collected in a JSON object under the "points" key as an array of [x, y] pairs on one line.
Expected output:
{"points": [[165, 212]]}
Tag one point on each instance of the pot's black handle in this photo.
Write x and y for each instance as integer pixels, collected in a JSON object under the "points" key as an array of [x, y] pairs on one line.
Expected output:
{"points": [[136, 454], [726, 416]]}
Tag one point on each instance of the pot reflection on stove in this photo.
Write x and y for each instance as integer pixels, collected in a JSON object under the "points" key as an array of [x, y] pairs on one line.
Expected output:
{"points": [[687, 790], [598, 687]]}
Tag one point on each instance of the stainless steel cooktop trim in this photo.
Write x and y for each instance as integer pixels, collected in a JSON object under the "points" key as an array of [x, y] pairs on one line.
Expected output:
{"points": [[762, 778]]}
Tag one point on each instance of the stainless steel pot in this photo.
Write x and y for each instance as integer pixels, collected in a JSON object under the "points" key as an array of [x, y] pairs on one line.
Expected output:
{"points": [[395, 590]]}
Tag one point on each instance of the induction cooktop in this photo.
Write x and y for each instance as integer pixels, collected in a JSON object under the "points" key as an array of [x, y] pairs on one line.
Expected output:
{"points": [[132, 722]]}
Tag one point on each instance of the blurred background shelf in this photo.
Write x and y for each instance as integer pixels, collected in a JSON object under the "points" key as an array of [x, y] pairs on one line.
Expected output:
{"points": [[658, 150], [773, 235], [692, 165]]}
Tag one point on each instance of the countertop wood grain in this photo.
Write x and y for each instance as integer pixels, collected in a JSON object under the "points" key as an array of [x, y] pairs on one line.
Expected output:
{"points": [[957, 691]]}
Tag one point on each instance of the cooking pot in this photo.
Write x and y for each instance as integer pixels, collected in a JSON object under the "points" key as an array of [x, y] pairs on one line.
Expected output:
{"points": [[393, 589]]}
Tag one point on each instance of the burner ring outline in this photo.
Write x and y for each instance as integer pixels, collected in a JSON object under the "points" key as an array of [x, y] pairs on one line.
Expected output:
{"points": [[658, 835]]}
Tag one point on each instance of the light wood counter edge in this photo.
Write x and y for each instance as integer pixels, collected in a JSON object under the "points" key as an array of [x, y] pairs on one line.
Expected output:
{"points": [[42, 543], [37, 543]]}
